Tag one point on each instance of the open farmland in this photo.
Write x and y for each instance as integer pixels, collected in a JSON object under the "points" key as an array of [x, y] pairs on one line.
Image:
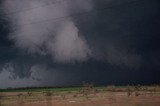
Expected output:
{"points": [[82, 96]]}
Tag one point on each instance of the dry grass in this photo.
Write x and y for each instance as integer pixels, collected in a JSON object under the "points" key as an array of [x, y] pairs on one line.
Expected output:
{"points": [[48, 93], [29, 93], [0, 98], [131, 95]]}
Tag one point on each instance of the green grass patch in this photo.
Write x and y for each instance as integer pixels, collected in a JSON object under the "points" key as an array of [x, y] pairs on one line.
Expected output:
{"points": [[42, 89]]}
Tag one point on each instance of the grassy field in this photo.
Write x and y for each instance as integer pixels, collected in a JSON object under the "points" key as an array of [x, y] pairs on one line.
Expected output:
{"points": [[79, 96], [41, 89]]}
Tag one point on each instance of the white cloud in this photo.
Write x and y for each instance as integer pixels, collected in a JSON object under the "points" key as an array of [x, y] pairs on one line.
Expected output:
{"points": [[59, 38]]}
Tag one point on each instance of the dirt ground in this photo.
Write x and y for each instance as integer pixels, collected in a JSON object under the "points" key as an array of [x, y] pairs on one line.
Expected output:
{"points": [[78, 99]]}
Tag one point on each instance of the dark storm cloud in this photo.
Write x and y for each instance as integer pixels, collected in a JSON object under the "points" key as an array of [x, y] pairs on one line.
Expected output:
{"points": [[117, 45], [37, 30]]}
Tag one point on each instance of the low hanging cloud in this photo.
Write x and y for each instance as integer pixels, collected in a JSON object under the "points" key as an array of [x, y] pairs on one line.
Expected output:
{"points": [[40, 75], [37, 27], [8, 78]]}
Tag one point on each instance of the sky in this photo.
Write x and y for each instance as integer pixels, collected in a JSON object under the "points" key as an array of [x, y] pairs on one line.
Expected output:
{"points": [[67, 42]]}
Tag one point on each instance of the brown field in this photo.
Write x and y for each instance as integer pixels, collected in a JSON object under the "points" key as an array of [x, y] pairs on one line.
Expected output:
{"points": [[109, 96]]}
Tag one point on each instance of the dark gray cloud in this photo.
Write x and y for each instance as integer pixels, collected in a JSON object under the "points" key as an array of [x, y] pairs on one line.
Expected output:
{"points": [[115, 45]]}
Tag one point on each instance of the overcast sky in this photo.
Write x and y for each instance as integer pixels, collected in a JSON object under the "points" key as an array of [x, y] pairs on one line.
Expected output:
{"points": [[66, 42]]}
